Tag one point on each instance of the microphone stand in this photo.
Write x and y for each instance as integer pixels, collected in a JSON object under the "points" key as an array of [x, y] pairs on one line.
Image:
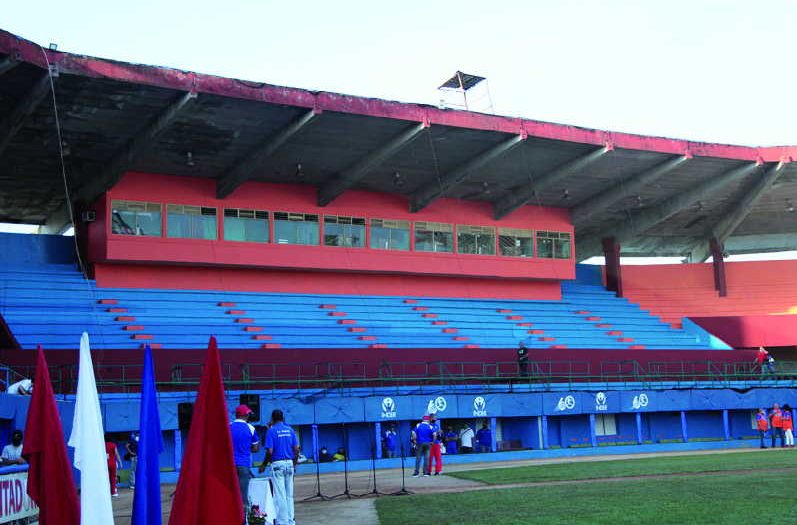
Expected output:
{"points": [[317, 495], [403, 490], [345, 494]]}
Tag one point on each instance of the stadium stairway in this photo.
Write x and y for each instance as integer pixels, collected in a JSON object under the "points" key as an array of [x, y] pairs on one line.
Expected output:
{"points": [[53, 304]]}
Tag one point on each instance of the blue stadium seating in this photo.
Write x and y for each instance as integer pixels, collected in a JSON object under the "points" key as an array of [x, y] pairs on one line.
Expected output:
{"points": [[51, 304]]}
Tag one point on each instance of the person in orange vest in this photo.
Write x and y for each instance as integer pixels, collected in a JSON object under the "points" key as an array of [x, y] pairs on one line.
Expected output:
{"points": [[776, 422], [788, 425], [762, 425]]}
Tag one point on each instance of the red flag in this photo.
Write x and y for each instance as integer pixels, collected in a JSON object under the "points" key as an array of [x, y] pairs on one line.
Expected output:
{"points": [[50, 481], [207, 491]]}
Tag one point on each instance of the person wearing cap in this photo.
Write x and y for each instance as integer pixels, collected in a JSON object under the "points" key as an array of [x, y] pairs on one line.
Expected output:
{"points": [[776, 424], [244, 442], [788, 425], [424, 435]]}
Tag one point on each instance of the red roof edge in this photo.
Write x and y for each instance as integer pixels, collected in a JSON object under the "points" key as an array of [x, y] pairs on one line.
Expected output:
{"points": [[30, 52]]}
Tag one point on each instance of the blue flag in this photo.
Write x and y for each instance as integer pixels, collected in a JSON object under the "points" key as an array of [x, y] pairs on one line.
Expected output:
{"points": [[147, 496]]}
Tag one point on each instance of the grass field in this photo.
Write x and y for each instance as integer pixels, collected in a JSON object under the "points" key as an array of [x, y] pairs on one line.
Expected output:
{"points": [[683, 498], [633, 467]]}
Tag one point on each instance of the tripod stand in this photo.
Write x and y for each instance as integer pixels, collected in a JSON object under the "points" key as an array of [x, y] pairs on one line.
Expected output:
{"points": [[403, 490], [374, 491], [317, 495], [345, 494]]}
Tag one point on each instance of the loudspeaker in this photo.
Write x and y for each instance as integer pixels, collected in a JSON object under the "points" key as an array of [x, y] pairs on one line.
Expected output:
{"points": [[253, 402], [185, 411], [89, 216]]}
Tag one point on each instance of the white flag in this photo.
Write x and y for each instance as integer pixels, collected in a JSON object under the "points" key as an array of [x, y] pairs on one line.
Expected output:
{"points": [[88, 440]]}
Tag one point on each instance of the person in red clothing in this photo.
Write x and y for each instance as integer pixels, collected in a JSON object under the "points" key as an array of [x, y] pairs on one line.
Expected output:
{"points": [[762, 425], [765, 361], [435, 451], [112, 455], [788, 426], [776, 422]]}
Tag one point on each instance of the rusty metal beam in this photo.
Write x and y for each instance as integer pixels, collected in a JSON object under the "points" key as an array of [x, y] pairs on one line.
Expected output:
{"points": [[335, 187], [11, 125], [124, 158], [238, 174], [517, 199], [437, 188]]}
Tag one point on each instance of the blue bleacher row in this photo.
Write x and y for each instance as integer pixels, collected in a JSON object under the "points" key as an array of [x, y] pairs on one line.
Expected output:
{"points": [[53, 304]]}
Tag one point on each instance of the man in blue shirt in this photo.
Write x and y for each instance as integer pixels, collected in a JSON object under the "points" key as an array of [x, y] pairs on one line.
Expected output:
{"points": [[282, 451], [484, 439], [451, 441], [244, 442], [423, 435], [390, 441]]}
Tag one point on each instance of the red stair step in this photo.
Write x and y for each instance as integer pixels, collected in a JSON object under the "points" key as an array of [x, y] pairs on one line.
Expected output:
{"points": [[410, 301], [450, 330], [557, 347], [108, 301], [377, 345], [337, 314], [582, 312], [154, 346], [327, 306], [269, 346], [420, 308], [626, 339], [367, 338], [429, 316], [236, 312], [347, 321], [357, 329], [637, 347], [461, 338], [439, 323], [125, 318], [253, 328], [261, 337], [226, 303], [244, 320], [133, 328], [593, 318], [504, 311], [514, 317], [117, 310], [470, 345], [141, 336], [547, 339], [614, 332], [524, 324], [535, 331], [603, 325]]}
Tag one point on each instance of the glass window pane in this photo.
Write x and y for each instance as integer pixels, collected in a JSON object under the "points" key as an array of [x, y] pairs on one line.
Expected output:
{"points": [[136, 218], [390, 235], [478, 240], [249, 230], [296, 228], [191, 222], [545, 248], [434, 237]]}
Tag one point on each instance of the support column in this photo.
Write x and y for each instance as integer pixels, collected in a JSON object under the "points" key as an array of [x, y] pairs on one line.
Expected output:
{"points": [[726, 425], [378, 439], [717, 250], [178, 449], [493, 427], [315, 442], [684, 430], [614, 278], [638, 428], [544, 432], [593, 439]]}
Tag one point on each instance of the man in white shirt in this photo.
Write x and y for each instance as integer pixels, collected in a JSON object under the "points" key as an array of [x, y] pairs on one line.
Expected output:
{"points": [[12, 454], [22, 388], [466, 437]]}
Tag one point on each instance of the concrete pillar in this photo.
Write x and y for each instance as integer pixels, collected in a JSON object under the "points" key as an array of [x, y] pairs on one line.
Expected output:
{"points": [[614, 278], [684, 430], [544, 432], [717, 250], [726, 425], [378, 439], [493, 428], [315, 442], [638, 427], [593, 438], [178, 449]]}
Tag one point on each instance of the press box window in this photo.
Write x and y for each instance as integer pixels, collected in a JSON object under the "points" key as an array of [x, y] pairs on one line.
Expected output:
{"points": [[515, 242], [245, 225], [296, 228], [478, 240], [605, 425], [344, 231], [553, 245], [191, 222], [390, 235], [434, 237], [136, 218]]}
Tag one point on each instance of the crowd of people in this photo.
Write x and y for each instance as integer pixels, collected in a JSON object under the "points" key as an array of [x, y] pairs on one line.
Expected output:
{"points": [[778, 424]]}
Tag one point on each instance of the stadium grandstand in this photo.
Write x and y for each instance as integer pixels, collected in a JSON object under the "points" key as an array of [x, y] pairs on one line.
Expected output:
{"points": [[364, 262]]}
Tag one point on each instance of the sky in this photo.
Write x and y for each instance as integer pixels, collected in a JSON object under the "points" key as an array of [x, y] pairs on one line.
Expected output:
{"points": [[706, 70]]}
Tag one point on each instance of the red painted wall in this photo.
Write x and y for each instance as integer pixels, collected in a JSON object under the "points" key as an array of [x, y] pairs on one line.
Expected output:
{"points": [[288, 281], [752, 331], [373, 271]]}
